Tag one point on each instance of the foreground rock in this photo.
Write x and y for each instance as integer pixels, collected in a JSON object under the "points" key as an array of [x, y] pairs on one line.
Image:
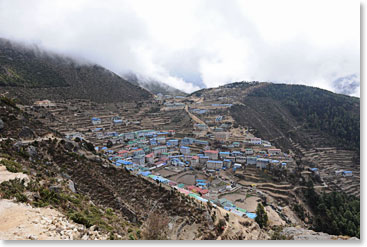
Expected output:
{"points": [[22, 222], [304, 234]]}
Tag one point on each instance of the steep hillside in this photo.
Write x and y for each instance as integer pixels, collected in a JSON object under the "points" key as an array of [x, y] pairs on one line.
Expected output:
{"points": [[31, 74], [320, 127], [69, 176], [153, 86], [279, 111]]}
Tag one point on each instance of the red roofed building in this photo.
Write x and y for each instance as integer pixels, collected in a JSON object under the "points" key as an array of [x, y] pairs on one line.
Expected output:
{"points": [[149, 158], [193, 188], [203, 191], [123, 153], [194, 161]]}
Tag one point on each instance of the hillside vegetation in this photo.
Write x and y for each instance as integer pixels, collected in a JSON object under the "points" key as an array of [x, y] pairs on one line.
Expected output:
{"points": [[335, 213], [31, 74], [337, 115]]}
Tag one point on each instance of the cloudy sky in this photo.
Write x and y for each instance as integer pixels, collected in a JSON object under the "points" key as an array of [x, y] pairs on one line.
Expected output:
{"points": [[190, 44]]}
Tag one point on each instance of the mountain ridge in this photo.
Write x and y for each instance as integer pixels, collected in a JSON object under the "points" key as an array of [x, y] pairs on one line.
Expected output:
{"points": [[31, 74]]}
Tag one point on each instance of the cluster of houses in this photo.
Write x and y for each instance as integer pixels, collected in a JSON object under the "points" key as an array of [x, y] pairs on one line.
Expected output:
{"points": [[173, 106], [150, 149]]}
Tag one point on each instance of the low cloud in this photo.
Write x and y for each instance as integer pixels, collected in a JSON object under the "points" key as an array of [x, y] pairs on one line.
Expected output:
{"points": [[198, 43]]}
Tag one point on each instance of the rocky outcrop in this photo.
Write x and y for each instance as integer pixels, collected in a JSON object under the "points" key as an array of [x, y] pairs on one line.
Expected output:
{"points": [[298, 233], [23, 222]]}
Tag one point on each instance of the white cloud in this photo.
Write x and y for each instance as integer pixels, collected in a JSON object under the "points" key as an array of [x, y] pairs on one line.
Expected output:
{"points": [[195, 43]]}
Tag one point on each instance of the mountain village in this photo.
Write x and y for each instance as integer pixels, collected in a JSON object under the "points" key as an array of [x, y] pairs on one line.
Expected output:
{"points": [[207, 158]]}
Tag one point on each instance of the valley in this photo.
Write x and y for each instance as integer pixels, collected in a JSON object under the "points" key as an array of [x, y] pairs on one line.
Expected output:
{"points": [[108, 158]]}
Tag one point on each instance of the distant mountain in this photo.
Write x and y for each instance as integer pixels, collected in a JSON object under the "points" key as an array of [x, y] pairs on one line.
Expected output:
{"points": [[348, 85], [30, 73], [152, 85]]}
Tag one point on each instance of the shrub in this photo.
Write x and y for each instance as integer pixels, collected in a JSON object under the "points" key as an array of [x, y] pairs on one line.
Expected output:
{"points": [[261, 216], [80, 219], [12, 166], [13, 188]]}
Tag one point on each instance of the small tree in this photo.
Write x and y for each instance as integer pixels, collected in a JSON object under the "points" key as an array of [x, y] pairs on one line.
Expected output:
{"points": [[109, 144], [261, 216]]}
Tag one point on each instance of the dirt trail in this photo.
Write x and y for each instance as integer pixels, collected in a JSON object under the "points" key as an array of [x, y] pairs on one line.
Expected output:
{"points": [[193, 117]]}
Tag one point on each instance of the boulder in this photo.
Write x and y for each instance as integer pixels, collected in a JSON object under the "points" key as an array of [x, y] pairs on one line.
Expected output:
{"points": [[32, 151], [1, 124], [72, 186], [26, 133]]}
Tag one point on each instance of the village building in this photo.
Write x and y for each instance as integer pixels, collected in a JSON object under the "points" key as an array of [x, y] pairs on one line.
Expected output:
{"points": [[201, 142], [172, 142], [236, 153], [187, 141], [161, 140], [218, 129], [139, 160], [262, 163], [212, 154], [195, 161], [214, 164], [249, 151], [339, 172], [251, 160], [203, 159], [96, 120], [232, 158], [284, 165], [185, 150], [129, 136], [117, 120], [224, 154], [241, 159], [221, 136], [158, 150], [149, 158], [173, 106], [137, 152], [97, 129], [237, 166], [347, 173], [163, 134], [255, 141], [236, 144], [274, 151], [172, 132], [123, 153], [199, 111], [227, 163], [201, 126], [218, 118]]}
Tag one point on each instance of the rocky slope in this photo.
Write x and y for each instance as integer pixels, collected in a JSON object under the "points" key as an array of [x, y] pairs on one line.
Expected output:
{"points": [[24, 222], [33, 74]]}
